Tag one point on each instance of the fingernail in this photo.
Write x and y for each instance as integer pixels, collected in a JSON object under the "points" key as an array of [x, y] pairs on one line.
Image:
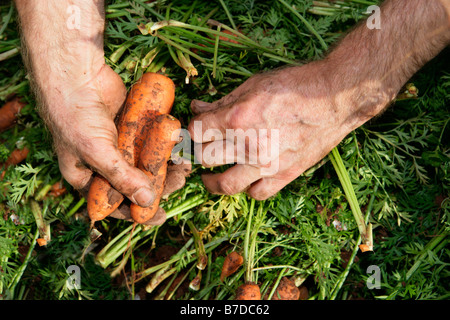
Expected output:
{"points": [[144, 197]]}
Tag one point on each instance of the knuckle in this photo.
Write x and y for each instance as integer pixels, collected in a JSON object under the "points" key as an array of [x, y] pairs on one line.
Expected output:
{"points": [[239, 116], [226, 186], [259, 195]]}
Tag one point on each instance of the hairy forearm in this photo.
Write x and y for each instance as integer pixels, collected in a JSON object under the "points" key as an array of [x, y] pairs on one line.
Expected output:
{"points": [[371, 65], [62, 44]]}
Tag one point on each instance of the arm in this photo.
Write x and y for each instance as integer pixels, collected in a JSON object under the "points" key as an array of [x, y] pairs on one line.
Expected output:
{"points": [[371, 66], [77, 93], [313, 107]]}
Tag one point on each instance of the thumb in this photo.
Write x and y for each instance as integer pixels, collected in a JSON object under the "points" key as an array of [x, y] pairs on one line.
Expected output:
{"points": [[125, 178]]}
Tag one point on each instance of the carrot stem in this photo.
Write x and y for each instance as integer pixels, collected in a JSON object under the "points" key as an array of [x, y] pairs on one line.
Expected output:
{"points": [[21, 269]]}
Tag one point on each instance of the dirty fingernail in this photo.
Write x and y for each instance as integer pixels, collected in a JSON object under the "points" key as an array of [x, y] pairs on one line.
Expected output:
{"points": [[144, 197]]}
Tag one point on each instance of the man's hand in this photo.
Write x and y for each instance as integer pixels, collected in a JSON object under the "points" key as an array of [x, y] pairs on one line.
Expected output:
{"points": [[288, 119], [175, 180], [79, 96], [303, 112]]}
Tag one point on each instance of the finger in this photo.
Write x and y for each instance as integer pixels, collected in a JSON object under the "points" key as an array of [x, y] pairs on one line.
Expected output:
{"points": [[158, 219], [73, 170], [214, 153], [221, 152], [176, 177], [182, 165], [209, 126], [234, 180], [198, 106], [269, 186], [128, 180], [123, 213], [175, 180]]}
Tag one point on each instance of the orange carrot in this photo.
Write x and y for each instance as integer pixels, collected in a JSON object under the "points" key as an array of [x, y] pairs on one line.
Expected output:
{"points": [[286, 290], [58, 189], [248, 291], [8, 113], [231, 263], [151, 95], [16, 157], [153, 160]]}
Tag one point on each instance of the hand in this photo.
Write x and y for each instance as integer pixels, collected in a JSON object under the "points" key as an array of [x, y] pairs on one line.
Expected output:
{"points": [[297, 120], [175, 180], [78, 95], [308, 110]]}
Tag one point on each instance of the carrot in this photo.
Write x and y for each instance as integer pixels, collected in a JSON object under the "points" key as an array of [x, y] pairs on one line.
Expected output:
{"points": [[286, 290], [153, 160], [57, 189], [304, 294], [16, 157], [248, 291], [8, 113], [223, 38], [231, 263], [151, 95]]}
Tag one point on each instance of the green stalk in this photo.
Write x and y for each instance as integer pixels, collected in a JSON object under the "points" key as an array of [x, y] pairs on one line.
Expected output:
{"points": [[44, 228], [345, 273], [275, 285], [6, 20], [117, 54], [281, 266], [365, 231], [230, 70], [159, 277], [179, 47], [442, 235], [227, 12], [21, 269], [174, 290], [9, 54], [216, 52], [152, 28], [149, 8], [210, 246], [76, 207], [199, 246], [117, 246], [247, 250], [306, 23]]}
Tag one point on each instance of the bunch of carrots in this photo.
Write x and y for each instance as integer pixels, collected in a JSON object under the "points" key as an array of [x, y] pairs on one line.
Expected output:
{"points": [[146, 136]]}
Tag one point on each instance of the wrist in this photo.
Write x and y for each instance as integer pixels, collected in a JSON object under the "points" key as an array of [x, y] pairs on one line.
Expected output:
{"points": [[60, 54], [357, 95]]}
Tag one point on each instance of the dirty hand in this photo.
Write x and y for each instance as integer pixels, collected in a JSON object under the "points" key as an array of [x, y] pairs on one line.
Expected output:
{"points": [[306, 111], [78, 95], [175, 180], [274, 126]]}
